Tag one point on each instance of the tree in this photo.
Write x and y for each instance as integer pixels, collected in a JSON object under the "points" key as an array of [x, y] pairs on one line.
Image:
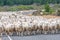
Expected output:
{"points": [[47, 7], [1, 2], [27, 2]]}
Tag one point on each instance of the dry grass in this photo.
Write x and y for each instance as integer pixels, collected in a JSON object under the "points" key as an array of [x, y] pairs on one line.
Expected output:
{"points": [[50, 16], [47, 16]]}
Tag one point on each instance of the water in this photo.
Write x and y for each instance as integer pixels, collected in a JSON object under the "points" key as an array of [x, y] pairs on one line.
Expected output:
{"points": [[35, 37]]}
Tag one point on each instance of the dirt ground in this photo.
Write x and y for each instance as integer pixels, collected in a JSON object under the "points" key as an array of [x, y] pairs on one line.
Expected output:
{"points": [[50, 16]]}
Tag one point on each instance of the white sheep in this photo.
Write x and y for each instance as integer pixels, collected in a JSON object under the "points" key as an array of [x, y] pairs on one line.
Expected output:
{"points": [[9, 28], [1, 28], [26, 28], [18, 27]]}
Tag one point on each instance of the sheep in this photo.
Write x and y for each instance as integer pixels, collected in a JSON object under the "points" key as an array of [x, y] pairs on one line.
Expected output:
{"points": [[28, 25], [34, 28], [26, 28], [18, 30], [9, 28], [52, 26], [49, 28], [45, 27], [18, 27], [58, 25], [1, 28], [40, 28]]}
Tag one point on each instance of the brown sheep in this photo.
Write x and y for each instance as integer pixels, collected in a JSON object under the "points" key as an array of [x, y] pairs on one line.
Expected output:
{"points": [[9, 30], [40, 28], [57, 28], [45, 30], [53, 29], [1, 30], [18, 30]]}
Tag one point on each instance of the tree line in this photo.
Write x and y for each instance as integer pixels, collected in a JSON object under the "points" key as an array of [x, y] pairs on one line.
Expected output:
{"points": [[27, 2]]}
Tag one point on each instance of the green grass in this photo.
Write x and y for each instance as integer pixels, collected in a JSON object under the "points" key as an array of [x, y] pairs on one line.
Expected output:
{"points": [[29, 7]]}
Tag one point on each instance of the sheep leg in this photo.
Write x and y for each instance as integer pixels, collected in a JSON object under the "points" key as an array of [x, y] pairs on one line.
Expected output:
{"points": [[33, 33], [0, 36], [10, 33], [22, 33]]}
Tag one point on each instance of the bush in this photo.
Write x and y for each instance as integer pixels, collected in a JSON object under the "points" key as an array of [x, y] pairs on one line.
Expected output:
{"points": [[24, 7], [48, 9], [58, 12], [17, 8], [12, 9], [21, 7]]}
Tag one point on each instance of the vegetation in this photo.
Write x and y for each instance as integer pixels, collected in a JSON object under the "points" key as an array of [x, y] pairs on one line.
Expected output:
{"points": [[58, 13], [48, 9], [27, 2], [16, 5], [16, 8]]}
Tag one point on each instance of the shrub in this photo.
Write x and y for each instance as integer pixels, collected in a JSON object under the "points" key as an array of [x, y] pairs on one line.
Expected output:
{"points": [[58, 12], [48, 9], [12, 9], [17, 8], [24, 7]]}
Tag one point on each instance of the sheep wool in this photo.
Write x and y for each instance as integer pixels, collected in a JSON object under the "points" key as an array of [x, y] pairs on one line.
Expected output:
{"points": [[28, 25]]}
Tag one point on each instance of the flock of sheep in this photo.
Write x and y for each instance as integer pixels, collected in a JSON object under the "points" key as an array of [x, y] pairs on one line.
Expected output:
{"points": [[27, 25]]}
